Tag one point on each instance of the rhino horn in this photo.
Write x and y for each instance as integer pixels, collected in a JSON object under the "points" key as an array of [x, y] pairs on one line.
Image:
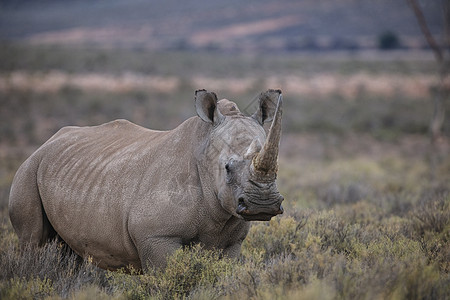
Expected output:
{"points": [[265, 162]]}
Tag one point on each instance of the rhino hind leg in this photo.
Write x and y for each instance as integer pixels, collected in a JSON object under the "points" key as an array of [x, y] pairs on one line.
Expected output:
{"points": [[25, 207]]}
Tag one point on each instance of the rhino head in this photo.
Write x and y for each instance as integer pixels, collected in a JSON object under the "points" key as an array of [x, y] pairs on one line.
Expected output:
{"points": [[244, 158]]}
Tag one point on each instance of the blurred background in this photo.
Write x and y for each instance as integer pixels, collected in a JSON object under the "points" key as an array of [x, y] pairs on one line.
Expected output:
{"points": [[361, 83], [364, 164]]}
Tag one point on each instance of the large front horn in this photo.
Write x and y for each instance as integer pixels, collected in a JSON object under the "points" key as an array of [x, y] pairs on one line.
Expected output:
{"points": [[265, 163]]}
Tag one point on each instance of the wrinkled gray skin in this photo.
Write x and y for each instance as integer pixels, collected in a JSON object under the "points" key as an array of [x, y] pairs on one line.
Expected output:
{"points": [[127, 195]]}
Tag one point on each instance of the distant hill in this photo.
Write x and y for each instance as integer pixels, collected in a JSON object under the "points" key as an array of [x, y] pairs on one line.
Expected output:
{"points": [[253, 25]]}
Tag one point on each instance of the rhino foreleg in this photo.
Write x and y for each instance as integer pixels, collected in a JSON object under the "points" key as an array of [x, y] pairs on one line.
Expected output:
{"points": [[232, 251], [153, 252]]}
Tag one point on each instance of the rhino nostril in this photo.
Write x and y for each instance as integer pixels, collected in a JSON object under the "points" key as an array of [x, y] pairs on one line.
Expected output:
{"points": [[241, 201]]}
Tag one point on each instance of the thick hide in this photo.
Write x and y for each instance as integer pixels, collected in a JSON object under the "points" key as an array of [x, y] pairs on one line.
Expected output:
{"points": [[126, 195]]}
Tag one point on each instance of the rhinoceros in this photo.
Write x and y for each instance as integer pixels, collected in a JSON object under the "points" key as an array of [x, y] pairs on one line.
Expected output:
{"points": [[130, 196]]}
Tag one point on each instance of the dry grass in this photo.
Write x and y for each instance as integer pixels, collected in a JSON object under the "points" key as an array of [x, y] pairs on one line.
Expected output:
{"points": [[323, 85]]}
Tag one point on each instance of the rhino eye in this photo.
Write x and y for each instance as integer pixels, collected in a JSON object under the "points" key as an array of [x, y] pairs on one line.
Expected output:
{"points": [[227, 167]]}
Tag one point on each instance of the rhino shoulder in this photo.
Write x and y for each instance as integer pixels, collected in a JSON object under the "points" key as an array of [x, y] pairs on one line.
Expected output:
{"points": [[119, 123], [61, 132], [123, 125], [116, 125]]}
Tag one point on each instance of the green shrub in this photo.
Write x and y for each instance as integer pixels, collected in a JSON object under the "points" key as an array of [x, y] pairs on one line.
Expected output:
{"points": [[53, 263], [19, 288], [421, 282], [90, 292], [277, 237], [187, 270], [433, 212], [190, 268]]}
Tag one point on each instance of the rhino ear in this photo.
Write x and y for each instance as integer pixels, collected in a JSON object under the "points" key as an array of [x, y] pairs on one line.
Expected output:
{"points": [[206, 106], [267, 105]]}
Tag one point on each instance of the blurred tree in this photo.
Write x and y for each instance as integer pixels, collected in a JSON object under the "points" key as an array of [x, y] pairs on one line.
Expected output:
{"points": [[442, 57], [441, 53], [388, 40]]}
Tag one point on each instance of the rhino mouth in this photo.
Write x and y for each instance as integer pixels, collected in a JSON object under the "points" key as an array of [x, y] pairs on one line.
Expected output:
{"points": [[259, 213]]}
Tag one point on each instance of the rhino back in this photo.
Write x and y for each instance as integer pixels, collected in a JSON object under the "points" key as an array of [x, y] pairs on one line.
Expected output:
{"points": [[91, 178]]}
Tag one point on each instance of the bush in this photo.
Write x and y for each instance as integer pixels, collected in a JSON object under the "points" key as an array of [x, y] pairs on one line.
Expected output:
{"points": [[188, 270], [192, 268], [433, 212], [269, 239], [19, 288], [52, 268], [388, 40]]}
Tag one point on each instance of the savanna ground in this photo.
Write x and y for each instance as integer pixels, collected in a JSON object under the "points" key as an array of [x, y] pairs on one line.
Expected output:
{"points": [[367, 209]]}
